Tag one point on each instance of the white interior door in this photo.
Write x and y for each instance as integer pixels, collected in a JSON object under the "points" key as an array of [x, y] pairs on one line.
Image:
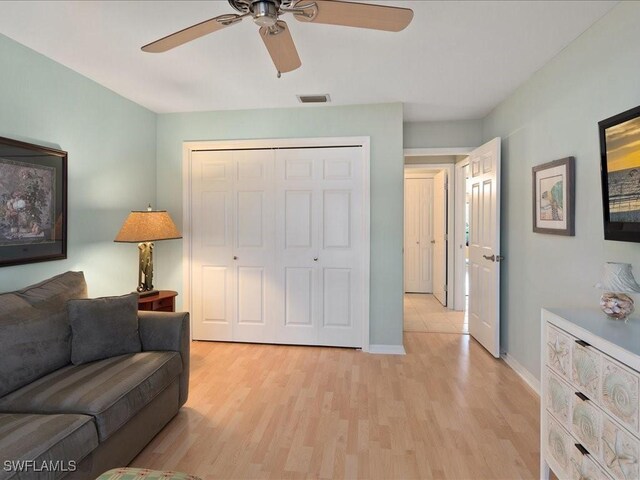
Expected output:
{"points": [[418, 233], [484, 246], [318, 243], [232, 242], [440, 237]]}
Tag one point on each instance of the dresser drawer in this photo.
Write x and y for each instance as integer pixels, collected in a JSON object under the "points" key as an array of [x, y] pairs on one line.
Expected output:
{"points": [[619, 392], [559, 398], [620, 451], [586, 367], [584, 468], [558, 352], [559, 446], [586, 425]]}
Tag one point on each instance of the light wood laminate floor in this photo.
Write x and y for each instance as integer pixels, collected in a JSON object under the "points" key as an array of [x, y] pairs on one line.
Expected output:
{"points": [[424, 313], [447, 409]]}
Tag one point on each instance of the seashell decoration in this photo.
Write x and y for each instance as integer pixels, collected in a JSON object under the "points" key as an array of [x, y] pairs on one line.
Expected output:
{"points": [[558, 448], [558, 399], [619, 395], [586, 427], [616, 281], [585, 370], [616, 305]]}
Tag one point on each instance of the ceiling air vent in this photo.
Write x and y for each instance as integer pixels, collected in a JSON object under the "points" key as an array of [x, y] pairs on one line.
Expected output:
{"points": [[314, 98]]}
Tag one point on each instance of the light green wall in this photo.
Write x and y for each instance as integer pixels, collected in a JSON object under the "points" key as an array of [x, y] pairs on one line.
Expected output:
{"points": [[383, 123], [459, 133], [554, 115], [111, 145]]}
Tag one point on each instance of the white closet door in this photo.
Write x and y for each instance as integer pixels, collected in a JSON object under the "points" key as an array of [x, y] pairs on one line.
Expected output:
{"points": [[276, 244], [418, 233], [213, 271], [253, 213], [232, 258], [318, 243]]}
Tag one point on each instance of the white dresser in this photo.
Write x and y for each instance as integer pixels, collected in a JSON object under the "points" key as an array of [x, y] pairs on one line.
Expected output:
{"points": [[589, 417]]}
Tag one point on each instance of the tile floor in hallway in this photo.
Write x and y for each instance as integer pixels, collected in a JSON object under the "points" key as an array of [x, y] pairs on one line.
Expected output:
{"points": [[423, 313]]}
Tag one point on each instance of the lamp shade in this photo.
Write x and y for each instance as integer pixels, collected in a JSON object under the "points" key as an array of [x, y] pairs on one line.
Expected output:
{"points": [[147, 226], [617, 277]]}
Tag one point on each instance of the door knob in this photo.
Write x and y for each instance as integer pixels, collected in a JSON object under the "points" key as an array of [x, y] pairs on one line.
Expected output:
{"points": [[417, 243], [235, 258], [315, 259], [433, 241], [492, 257]]}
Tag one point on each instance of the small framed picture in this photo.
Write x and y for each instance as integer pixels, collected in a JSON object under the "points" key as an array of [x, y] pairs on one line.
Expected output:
{"points": [[554, 197]]}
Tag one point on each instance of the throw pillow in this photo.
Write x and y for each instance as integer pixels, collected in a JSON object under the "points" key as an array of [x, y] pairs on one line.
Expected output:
{"points": [[103, 327]]}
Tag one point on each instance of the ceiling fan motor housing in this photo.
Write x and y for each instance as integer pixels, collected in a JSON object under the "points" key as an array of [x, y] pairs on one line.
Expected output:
{"points": [[265, 12]]}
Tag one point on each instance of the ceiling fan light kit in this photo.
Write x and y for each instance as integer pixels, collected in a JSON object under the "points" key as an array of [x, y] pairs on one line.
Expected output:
{"points": [[275, 32]]}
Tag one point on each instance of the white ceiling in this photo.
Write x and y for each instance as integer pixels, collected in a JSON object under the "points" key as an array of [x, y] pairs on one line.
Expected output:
{"points": [[457, 60]]}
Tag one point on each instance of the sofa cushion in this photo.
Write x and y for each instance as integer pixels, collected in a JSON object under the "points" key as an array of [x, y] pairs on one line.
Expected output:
{"points": [[103, 327], [33, 342], [111, 390], [43, 440], [53, 293]]}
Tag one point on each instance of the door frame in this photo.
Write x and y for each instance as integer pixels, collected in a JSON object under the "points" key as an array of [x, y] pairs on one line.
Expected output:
{"points": [[449, 168], [274, 143], [459, 238], [453, 281]]}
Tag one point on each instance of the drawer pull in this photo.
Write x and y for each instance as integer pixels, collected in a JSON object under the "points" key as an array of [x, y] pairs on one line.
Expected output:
{"points": [[583, 450], [582, 343], [582, 396]]}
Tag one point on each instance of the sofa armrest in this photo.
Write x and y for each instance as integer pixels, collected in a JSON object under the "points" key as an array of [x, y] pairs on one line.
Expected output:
{"points": [[168, 331]]}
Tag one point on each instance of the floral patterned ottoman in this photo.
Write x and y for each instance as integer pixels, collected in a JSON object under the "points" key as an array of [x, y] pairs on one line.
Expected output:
{"points": [[127, 473]]}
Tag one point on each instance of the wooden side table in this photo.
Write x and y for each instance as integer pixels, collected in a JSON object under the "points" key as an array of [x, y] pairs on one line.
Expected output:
{"points": [[164, 301]]}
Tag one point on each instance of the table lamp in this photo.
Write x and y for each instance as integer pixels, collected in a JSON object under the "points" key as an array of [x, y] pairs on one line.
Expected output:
{"points": [[145, 227], [617, 280]]}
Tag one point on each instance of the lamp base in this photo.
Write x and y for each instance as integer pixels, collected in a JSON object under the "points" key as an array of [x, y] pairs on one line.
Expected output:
{"points": [[149, 293]]}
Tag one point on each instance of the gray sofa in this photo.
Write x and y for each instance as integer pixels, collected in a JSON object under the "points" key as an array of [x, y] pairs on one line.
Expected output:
{"points": [[60, 420]]}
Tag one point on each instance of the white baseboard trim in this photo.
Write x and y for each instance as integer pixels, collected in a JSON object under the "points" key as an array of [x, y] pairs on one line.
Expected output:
{"points": [[387, 349], [525, 374]]}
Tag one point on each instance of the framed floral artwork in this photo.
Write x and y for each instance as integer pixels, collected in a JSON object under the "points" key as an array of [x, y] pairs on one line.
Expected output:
{"points": [[33, 203]]}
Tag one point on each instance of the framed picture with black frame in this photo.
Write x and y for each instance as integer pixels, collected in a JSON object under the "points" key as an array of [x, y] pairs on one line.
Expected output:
{"points": [[33, 203], [554, 197], [620, 175]]}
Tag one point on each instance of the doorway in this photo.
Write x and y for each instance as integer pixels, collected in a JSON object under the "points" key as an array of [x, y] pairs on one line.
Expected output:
{"points": [[428, 247]]}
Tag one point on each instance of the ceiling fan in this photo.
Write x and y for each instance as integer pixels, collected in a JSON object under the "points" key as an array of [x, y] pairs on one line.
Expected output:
{"points": [[275, 32]]}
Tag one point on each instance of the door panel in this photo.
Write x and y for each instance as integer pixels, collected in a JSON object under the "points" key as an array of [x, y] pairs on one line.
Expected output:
{"points": [[337, 297], [251, 295], [298, 300], [440, 237], [484, 246], [336, 230], [418, 233]]}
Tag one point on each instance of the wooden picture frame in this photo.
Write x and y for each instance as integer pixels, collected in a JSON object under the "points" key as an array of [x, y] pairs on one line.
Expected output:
{"points": [[554, 197], [33, 203]]}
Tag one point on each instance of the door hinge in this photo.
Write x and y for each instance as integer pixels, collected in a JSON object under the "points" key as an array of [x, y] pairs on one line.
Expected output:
{"points": [[446, 288]]}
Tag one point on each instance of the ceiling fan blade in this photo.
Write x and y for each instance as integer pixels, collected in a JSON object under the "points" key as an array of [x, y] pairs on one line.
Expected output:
{"points": [[362, 15], [280, 45], [191, 33]]}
